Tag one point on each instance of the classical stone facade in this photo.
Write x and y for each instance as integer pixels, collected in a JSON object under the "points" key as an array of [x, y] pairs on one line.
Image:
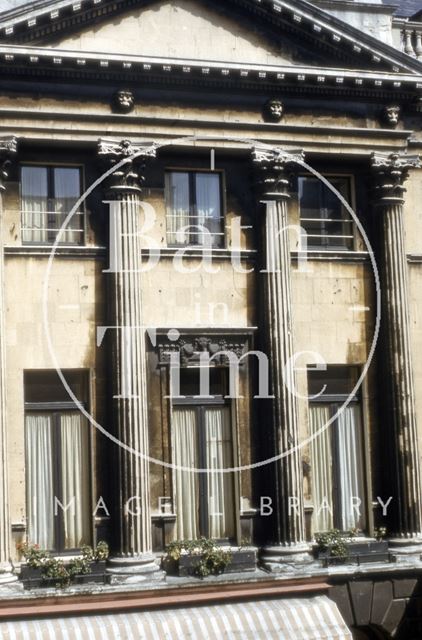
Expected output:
{"points": [[222, 194]]}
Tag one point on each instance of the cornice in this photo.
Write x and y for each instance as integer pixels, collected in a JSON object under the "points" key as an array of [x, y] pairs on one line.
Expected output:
{"points": [[18, 61], [326, 32]]}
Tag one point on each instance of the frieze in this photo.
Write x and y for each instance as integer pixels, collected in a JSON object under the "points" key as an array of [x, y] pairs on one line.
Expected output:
{"points": [[190, 348]]}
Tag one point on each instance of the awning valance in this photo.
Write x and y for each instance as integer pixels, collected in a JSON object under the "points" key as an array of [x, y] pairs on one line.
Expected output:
{"points": [[314, 618]]}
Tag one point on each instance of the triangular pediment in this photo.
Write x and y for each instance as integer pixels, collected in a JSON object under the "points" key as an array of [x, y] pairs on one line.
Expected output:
{"points": [[261, 32], [187, 29]]}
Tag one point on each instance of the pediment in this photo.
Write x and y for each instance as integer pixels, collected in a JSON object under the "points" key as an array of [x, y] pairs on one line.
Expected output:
{"points": [[186, 29], [261, 32]]}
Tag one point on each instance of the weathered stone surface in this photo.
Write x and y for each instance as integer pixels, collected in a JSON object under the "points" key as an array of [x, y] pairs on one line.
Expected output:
{"points": [[381, 600], [361, 596], [394, 616], [340, 595], [404, 588]]}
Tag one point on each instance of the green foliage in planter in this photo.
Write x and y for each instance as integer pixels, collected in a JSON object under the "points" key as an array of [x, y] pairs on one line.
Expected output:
{"points": [[334, 542], [55, 569], [212, 558], [34, 556], [380, 533]]}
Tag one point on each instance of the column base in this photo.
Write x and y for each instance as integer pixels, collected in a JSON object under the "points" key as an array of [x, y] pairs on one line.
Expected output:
{"points": [[7, 577], [134, 569], [406, 550], [286, 558]]}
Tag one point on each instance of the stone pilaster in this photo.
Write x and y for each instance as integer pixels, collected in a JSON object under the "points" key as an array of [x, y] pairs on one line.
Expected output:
{"points": [[8, 147], [134, 559], [390, 172], [289, 530]]}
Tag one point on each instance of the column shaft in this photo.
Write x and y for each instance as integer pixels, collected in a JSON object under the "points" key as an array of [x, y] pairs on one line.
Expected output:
{"points": [[390, 174], [7, 147], [134, 557], [130, 380], [279, 330], [289, 533]]}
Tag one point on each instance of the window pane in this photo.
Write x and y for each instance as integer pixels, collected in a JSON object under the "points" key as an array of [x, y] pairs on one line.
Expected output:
{"points": [[220, 485], [208, 208], [48, 194], [186, 485], [190, 381], [39, 480], [74, 473], [334, 380], [178, 208], [323, 216], [321, 468], [194, 208], [350, 469], [34, 194], [46, 386], [67, 190]]}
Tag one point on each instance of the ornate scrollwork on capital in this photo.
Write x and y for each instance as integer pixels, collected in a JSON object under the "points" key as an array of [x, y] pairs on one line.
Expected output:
{"points": [[390, 171], [8, 148], [131, 173], [272, 169]]}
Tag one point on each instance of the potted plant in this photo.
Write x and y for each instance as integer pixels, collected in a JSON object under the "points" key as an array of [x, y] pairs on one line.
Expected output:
{"points": [[204, 557], [42, 570], [336, 547]]}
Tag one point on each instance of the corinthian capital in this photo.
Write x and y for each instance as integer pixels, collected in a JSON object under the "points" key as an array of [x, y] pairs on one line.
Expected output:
{"points": [[131, 173], [272, 167], [390, 171], [8, 148]]}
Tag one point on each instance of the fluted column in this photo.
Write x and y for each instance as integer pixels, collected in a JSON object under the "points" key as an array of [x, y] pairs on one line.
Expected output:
{"points": [[8, 147], [134, 559], [390, 172], [289, 521]]}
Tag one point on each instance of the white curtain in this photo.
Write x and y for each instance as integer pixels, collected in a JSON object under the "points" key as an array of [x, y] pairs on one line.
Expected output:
{"points": [[75, 479], [208, 206], [39, 480], [220, 485], [349, 439], [67, 189], [342, 439], [34, 196], [321, 469], [185, 438], [178, 208]]}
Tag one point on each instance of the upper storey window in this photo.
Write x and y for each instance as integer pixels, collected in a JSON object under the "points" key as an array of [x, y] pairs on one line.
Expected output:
{"points": [[324, 218], [48, 193], [194, 209]]}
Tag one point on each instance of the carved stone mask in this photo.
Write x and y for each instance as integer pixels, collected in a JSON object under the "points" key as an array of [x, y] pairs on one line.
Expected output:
{"points": [[124, 101], [391, 115], [274, 110]]}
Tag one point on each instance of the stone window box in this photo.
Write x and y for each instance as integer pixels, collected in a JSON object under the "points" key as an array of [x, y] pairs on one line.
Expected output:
{"points": [[241, 560], [32, 578], [361, 552]]}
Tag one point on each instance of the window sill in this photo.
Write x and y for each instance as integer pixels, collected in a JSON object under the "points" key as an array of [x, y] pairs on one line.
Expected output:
{"points": [[331, 256], [201, 252], [46, 250]]}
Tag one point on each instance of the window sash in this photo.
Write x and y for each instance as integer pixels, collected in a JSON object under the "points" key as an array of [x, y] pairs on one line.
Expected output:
{"points": [[48, 193], [57, 465], [337, 466], [327, 223], [194, 209], [205, 503]]}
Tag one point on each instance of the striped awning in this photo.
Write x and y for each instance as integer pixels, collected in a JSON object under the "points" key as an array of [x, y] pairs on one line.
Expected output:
{"points": [[314, 618]]}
